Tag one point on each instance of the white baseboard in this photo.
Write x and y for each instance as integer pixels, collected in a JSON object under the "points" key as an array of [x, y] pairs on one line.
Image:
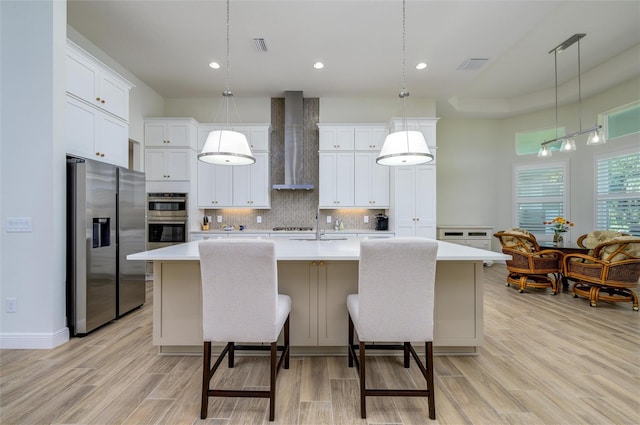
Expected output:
{"points": [[34, 341]]}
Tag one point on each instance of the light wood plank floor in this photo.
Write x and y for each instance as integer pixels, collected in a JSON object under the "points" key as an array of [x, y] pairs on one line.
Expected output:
{"points": [[546, 360]]}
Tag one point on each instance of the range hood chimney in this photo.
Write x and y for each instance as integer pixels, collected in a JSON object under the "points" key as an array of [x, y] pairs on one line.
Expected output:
{"points": [[293, 144]]}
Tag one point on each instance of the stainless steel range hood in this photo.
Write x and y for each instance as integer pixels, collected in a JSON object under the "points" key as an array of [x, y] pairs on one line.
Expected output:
{"points": [[293, 144]]}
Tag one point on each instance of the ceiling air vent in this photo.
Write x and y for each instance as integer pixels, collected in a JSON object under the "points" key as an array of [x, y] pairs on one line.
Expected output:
{"points": [[472, 64], [260, 44]]}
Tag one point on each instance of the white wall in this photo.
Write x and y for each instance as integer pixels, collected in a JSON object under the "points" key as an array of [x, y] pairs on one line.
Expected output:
{"points": [[32, 172], [372, 110], [332, 110], [210, 109]]}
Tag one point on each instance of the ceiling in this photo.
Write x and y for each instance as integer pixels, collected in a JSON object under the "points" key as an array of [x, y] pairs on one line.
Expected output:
{"points": [[168, 45]]}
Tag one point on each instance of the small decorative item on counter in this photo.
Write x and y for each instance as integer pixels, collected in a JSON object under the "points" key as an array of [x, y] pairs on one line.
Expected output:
{"points": [[336, 225], [241, 227], [341, 226], [205, 223], [559, 225]]}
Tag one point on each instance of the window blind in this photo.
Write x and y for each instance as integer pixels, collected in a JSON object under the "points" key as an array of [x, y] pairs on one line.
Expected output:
{"points": [[540, 193], [618, 192]]}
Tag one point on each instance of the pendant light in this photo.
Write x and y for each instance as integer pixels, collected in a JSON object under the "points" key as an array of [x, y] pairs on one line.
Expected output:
{"points": [[568, 144], [404, 147], [227, 147]]}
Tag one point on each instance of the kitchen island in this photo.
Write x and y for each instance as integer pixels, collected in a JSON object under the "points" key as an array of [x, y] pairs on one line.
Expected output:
{"points": [[318, 276]]}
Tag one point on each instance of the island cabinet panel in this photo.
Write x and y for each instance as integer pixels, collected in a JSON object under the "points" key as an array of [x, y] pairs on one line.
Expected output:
{"points": [[458, 312], [299, 280], [177, 306], [336, 280], [319, 292]]}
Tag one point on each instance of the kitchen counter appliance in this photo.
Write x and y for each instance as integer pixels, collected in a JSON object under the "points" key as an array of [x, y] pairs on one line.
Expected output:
{"points": [[382, 222], [105, 223]]}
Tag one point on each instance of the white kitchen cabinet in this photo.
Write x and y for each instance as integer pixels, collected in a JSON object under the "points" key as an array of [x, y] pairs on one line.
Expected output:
{"points": [[320, 288], [168, 164], [474, 236], [336, 179], [94, 134], [214, 186], [370, 138], [252, 183], [170, 132], [371, 181], [335, 137], [413, 210], [91, 81]]}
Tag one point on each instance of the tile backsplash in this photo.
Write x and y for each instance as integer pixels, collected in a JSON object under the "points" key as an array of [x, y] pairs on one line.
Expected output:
{"points": [[295, 208]]}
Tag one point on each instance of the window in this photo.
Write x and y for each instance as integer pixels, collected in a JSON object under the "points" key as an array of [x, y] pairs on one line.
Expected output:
{"points": [[618, 192], [622, 121], [540, 195], [529, 142]]}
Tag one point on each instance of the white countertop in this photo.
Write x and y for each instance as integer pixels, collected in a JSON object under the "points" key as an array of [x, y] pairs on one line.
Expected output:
{"points": [[348, 249]]}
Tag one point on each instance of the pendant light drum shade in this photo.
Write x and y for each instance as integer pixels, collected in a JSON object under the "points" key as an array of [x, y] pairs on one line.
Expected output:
{"points": [[404, 148], [225, 147]]}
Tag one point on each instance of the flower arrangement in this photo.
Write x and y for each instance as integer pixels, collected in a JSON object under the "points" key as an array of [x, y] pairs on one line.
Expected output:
{"points": [[559, 224]]}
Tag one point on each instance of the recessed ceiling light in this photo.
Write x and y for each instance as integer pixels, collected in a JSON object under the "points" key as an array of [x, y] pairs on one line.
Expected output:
{"points": [[318, 65], [421, 65], [214, 65]]}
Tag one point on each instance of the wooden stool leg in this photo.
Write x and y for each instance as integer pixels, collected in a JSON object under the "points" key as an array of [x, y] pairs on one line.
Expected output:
{"points": [[272, 382], [350, 341], [206, 369], [363, 397], [429, 367]]}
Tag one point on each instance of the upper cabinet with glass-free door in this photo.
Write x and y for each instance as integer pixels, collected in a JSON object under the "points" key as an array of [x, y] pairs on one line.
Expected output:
{"points": [[93, 82]]}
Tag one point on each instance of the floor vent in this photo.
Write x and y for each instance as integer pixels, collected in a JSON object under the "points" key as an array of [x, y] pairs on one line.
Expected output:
{"points": [[260, 44], [472, 64]]}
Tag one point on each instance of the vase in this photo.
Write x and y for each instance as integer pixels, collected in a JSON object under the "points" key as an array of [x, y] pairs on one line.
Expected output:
{"points": [[558, 239]]}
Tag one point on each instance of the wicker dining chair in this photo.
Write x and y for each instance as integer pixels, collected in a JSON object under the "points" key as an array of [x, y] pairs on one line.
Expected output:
{"points": [[608, 274], [592, 239], [529, 265]]}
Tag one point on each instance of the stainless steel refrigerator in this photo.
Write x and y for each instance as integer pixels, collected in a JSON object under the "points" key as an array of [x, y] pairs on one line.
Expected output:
{"points": [[105, 222]]}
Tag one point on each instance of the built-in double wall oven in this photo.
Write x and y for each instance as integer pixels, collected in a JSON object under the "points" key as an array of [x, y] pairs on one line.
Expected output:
{"points": [[167, 219]]}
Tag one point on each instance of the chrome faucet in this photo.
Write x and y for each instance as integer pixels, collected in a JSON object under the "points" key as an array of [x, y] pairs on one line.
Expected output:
{"points": [[318, 224]]}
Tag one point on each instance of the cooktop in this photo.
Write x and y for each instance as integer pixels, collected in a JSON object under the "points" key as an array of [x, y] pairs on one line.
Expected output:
{"points": [[292, 229]]}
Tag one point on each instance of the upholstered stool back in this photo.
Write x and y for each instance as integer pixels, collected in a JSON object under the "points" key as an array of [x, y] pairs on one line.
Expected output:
{"points": [[239, 290], [395, 287]]}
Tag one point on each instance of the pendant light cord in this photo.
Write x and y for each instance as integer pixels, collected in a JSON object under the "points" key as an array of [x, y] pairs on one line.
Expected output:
{"points": [[579, 90], [555, 62], [404, 93]]}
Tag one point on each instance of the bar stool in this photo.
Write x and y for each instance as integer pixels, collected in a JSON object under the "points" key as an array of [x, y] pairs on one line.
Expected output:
{"points": [[394, 303], [240, 302]]}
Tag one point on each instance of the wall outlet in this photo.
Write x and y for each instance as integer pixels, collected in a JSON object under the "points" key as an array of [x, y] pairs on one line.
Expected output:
{"points": [[366, 219], [12, 305], [328, 219], [259, 219], [219, 218]]}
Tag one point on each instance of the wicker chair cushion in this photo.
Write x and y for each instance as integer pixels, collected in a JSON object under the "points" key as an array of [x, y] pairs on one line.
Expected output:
{"points": [[517, 243], [596, 237], [631, 250]]}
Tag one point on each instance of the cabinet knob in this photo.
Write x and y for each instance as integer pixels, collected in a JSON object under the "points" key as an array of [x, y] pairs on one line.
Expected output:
{"points": [[97, 153], [102, 155], [98, 99], [313, 264], [321, 263], [102, 101]]}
